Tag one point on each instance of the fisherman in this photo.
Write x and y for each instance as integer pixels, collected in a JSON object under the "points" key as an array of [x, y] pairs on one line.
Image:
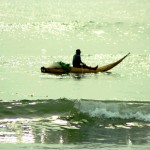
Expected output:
{"points": [[78, 63]]}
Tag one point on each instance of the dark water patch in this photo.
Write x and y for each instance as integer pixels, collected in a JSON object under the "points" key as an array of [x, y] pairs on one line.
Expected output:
{"points": [[31, 108]]}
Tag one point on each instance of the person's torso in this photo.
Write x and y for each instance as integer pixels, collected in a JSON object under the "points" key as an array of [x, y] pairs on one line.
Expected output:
{"points": [[76, 60]]}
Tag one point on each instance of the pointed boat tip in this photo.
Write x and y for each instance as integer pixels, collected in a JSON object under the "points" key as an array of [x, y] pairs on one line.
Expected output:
{"points": [[128, 53]]}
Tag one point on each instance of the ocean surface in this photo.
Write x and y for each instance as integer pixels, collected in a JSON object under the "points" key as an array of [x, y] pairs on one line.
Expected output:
{"points": [[107, 111]]}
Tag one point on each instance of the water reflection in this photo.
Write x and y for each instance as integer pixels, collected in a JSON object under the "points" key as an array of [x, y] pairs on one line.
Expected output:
{"points": [[59, 131]]}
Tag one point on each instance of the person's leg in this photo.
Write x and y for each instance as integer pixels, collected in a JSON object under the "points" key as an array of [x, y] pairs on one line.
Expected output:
{"points": [[88, 67]]}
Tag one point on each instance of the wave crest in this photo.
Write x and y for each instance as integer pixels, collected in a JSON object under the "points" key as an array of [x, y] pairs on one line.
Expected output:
{"points": [[119, 110], [79, 109]]}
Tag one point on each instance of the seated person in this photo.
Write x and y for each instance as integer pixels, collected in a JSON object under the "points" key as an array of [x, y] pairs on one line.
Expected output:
{"points": [[78, 63]]}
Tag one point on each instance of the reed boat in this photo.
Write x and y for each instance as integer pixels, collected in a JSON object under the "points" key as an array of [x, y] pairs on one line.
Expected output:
{"points": [[104, 68]]}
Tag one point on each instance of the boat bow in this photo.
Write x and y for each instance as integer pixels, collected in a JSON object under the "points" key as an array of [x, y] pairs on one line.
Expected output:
{"points": [[112, 65]]}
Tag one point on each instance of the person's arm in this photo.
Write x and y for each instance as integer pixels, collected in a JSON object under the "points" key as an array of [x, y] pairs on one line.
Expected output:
{"points": [[82, 62]]}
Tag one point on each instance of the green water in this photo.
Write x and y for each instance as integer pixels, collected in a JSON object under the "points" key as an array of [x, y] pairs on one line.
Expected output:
{"points": [[75, 111]]}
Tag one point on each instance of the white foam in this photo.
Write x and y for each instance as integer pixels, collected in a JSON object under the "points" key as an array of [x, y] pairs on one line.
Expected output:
{"points": [[116, 110]]}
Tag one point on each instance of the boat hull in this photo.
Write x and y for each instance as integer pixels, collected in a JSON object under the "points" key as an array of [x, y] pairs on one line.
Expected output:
{"points": [[82, 70]]}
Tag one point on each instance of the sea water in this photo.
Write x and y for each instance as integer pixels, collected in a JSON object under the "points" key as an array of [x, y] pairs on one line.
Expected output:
{"points": [[74, 111]]}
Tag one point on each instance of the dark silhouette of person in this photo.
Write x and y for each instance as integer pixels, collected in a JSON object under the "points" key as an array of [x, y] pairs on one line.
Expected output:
{"points": [[77, 62]]}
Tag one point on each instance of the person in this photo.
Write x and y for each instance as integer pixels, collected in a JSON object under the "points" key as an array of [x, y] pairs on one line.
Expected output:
{"points": [[77, 62]]}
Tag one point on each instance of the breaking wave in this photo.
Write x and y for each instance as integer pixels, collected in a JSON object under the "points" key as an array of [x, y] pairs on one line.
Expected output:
{"points": [[81, 109]]}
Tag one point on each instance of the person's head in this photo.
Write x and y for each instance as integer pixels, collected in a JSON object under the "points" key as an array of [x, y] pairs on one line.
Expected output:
{"points": [[78, 51]]}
